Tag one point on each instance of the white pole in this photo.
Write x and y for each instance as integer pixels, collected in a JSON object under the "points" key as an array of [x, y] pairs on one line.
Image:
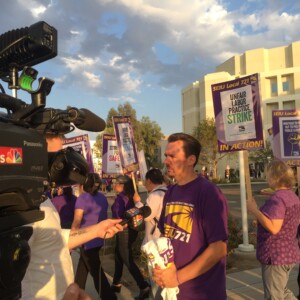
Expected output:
{"points": [[245, 247]]}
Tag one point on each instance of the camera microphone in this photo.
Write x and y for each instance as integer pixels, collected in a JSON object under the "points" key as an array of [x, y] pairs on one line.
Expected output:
{"points": [[135, 216], [84, 119]]}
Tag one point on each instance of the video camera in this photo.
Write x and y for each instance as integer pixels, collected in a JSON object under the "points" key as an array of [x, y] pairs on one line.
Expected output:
{"points": [[26, 170]]}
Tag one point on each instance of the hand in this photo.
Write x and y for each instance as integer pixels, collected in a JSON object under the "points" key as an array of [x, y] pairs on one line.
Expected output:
{"points": [[136, 197], [73, 292], [108, 228], [165, 278], [251, 205]]}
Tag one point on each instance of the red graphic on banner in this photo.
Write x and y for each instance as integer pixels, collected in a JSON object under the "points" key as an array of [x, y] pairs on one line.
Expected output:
{"points": [[10, 155]]}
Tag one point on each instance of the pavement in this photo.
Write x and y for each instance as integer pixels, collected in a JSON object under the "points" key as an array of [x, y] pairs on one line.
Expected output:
{"points": [[241, 285]]}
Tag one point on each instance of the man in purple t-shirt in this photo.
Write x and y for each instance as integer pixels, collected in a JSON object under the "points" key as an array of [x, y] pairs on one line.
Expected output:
{"points": [[194, 217]]}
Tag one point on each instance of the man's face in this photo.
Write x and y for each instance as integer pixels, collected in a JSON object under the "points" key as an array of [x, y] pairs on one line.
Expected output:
{"points": [[148, 185], [175, 160]]}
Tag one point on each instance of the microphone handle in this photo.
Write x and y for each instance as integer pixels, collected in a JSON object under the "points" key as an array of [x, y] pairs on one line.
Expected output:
{"points": [[124, 222]]}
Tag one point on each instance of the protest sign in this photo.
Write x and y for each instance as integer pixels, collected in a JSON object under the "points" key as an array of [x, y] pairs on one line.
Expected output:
{"points": [[81, 144], [111, 163], [142, 164], [237, 114], [239, 127], [286, 136], [126, 143]]}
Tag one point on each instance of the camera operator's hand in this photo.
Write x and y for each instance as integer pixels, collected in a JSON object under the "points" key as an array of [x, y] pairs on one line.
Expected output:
{"points": [[74, 292], [104, 229], [108, 228]]}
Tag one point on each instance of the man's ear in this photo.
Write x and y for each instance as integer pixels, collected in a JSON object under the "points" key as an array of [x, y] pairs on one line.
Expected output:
{"points": [[191, 160]]}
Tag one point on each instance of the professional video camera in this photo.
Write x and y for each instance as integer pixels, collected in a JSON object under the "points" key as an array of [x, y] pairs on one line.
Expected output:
{"points": [[26, 170]]}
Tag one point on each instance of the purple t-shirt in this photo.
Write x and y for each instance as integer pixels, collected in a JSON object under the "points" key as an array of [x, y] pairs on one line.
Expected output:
{"points": [[281, 248], [95, 210], [120, 205], [195, 215], [65, 208]]}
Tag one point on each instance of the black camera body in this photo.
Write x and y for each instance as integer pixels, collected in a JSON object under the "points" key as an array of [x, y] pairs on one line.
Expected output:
{"points": [[23, 151], [23, 175], [26, 169]]}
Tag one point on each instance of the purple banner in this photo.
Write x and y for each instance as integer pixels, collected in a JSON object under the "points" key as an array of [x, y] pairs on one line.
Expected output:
{"points": [[126, 143], [81, 144], [237, 114], [111, 162], [286, 136]]}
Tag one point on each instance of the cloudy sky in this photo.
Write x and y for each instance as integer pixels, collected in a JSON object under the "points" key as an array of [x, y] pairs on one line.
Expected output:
{"points": [[146, 51]]}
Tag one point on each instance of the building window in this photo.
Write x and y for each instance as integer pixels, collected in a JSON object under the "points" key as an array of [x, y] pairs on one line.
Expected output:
{"points": [[274, 89], [289, 104], [271, 87], [285, 86]]}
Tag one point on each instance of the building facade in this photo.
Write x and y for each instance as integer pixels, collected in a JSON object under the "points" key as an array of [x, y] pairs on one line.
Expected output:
{"points": [[279, 76]]}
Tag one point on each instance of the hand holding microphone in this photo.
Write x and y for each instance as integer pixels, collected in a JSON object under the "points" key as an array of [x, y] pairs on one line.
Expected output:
{"points": [[134, 217]]}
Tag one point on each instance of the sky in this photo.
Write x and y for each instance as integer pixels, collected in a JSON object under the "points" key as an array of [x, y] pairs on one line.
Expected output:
{"points": [[146, 51]]}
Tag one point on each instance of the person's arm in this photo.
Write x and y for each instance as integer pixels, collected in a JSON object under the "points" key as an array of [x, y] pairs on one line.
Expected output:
{"points": [[271, 225], [78, 215], [104, 229], [153, 202], [171, 277]]}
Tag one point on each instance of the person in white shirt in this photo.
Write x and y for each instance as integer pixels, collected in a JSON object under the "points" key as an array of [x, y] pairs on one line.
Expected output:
{"points": [[50, 270], [156, 188]]}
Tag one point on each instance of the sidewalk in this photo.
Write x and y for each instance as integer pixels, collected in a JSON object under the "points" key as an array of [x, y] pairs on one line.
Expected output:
{"points": [[248, 284], [129, 289], [240, 285]]}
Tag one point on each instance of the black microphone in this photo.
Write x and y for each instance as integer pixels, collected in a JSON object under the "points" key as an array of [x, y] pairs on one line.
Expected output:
{"points": [[84, 119], [134, 217]]}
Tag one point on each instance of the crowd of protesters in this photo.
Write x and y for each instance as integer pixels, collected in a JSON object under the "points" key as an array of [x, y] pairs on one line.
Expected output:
{"points": [[192, 212]]}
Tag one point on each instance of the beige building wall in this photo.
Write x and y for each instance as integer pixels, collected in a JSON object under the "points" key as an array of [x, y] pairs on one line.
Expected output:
{"points": [[279, 72]]}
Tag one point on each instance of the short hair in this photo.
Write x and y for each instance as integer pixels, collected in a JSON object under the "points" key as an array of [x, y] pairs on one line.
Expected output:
{"points": [[191, 146], [155, 176], [279, 174]]}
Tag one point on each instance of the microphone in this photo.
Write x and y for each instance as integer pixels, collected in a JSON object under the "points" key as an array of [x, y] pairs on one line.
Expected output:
{"points": [[134, 217], [84, 119]]}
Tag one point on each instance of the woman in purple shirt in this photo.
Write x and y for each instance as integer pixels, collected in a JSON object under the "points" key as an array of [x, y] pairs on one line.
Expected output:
{"points": [[123, 253], [65, 205], [91, 208], [278, 220]]}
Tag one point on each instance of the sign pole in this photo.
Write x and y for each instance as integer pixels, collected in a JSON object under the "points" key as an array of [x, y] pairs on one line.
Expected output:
{"points": [[133, 181], [298, 180], [245, 178]]}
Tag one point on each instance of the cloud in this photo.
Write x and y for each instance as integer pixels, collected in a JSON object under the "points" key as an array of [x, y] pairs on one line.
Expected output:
{"points": [[110, 47]]}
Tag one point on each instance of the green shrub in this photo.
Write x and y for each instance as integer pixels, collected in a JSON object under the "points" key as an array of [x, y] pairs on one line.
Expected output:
{"points": [[235, 233]]}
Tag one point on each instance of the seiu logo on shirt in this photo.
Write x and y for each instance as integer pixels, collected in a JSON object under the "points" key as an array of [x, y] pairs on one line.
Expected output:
{"points": [[180, 227]]}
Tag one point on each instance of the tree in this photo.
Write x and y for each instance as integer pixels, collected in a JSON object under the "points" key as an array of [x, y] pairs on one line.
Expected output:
{"points": [[206, 133], [261, 157], [151, 135]]}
